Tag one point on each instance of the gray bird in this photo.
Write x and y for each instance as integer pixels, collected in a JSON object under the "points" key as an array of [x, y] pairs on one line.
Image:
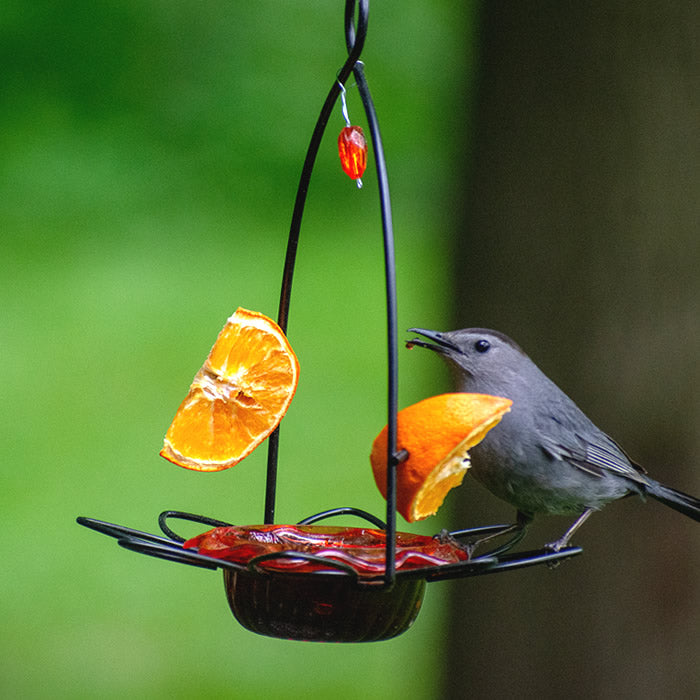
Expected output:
{"points": [[545, 456]]}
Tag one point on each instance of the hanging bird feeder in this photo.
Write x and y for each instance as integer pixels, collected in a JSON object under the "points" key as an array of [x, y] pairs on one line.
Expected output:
{"points": [[317, 582]]}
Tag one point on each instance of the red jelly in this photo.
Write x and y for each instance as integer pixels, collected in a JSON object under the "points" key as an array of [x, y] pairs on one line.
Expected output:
{"points": [[352, 148], [364, 549]]}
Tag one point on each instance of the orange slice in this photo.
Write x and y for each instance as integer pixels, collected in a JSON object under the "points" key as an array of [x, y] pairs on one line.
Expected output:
{"points": [[436, 433], [237, 398]]}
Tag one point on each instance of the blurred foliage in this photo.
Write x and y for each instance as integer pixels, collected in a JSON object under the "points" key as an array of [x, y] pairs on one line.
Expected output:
{"points": [[150, 155]]}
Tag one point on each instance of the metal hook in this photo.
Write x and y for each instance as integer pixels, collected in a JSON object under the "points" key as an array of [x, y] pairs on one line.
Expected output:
{"points": [[355, 34]]}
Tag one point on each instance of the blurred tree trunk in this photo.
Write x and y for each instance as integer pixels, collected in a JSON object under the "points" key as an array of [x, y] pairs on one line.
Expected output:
{"points": [[581, 239]]}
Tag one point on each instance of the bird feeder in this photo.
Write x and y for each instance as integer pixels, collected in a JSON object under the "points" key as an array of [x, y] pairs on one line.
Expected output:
{"points": [[318, 582]]}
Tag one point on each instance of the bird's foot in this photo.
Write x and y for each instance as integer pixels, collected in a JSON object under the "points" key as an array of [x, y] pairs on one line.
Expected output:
{"points": [[558, 544], [446, 537]]}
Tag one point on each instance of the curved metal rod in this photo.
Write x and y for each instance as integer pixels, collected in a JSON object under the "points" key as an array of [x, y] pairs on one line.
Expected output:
{"points": [[520, 560], [507, 545], [480, 530], [119, 531], [191, 517], [488, 532], [338, 566], [293, 240], [490, 565], [392, 457], [345, 510], [169, 552]]}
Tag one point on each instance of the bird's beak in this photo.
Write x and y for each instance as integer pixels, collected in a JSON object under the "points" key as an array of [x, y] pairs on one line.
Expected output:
{"points": [[439, 343]]}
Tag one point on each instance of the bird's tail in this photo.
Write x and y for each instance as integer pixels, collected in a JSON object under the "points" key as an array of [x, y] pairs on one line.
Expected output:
{"points": [[682, 502]]}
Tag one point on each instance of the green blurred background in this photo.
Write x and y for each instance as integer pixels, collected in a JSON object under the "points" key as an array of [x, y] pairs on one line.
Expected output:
{"points": [[150, 154], [544, 160]]}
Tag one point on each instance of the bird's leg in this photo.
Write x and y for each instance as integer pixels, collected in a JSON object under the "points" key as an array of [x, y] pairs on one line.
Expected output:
{"points": [[564, 540], [519, 527]]}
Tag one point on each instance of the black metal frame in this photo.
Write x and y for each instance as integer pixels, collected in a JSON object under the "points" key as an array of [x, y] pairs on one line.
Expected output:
{"points": [[170, 547], [355, 34]]}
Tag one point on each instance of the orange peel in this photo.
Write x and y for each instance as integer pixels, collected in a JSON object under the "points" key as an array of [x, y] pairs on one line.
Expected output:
{"points": [[437, 434]]}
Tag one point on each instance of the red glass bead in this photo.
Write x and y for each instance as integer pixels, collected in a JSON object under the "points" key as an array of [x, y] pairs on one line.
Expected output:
{"points": [[352, 148]]}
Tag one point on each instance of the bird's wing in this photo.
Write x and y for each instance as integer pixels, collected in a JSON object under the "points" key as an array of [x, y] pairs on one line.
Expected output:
{"points": [[595, 456]]}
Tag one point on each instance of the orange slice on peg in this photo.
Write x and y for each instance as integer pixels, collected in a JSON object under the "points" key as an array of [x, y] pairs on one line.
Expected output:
{"points": [[237, 398], [437, 434]]}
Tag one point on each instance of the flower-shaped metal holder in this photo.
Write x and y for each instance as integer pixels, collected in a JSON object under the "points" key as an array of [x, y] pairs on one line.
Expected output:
{"points": [[318, 583], [323, 598]]}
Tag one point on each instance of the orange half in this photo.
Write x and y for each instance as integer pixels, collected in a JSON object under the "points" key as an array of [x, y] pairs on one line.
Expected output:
{"points": [[437, 434], [237, 398]]}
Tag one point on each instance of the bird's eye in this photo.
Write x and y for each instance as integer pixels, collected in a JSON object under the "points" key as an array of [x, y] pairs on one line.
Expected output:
{"points": [[482, 345]]}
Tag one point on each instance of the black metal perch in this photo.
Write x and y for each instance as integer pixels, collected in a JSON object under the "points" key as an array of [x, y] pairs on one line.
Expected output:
{"points": [[295, 593]]}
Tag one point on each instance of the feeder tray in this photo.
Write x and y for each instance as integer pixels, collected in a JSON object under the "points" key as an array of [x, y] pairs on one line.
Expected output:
{"points": [[318, 582]]}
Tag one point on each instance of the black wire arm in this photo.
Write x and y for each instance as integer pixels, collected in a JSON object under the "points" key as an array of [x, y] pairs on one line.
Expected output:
{"points": [[355, 35]]}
